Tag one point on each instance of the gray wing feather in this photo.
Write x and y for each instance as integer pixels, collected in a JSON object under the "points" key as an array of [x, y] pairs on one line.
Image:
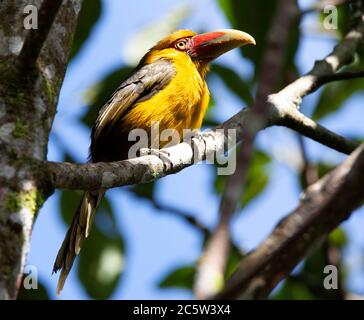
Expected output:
{"points": [[143, 84]]}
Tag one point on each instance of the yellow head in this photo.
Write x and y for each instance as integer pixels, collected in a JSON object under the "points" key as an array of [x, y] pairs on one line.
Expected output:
{"points": [[200, 48]]}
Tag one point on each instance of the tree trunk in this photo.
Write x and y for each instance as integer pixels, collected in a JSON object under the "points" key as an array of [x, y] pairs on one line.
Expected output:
{"points": [[32, 68]]}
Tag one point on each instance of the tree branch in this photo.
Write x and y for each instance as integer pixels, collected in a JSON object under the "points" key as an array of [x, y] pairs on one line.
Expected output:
{"points": [[213, 263], [29, 106], [282, 109], [36, 38], [298, 122], [323, 207], [309, 172], [348, 75]]}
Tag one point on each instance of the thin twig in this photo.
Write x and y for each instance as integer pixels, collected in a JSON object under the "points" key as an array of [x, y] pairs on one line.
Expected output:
{"points": [[348, 75], [309, 171], [304, 125], [188, 217]]}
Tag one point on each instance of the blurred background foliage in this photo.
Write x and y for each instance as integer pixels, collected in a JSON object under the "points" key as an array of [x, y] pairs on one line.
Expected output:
{"points": [[100, 266]]}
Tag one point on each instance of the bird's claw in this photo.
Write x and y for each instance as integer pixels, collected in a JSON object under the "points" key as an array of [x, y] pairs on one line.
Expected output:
{"points": [[160, 153], [188, 136], [199, 135]]}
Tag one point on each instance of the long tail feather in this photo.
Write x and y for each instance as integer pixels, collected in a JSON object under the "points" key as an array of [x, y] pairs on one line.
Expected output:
{"points": [[78, 231]]}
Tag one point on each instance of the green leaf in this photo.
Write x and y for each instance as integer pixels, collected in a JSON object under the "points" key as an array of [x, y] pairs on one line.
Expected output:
{"points": [[235, 257], [334, 95], [209, 119], [254, 17], [343, 18], [182, 277], [101, 93], [344, 15], [322, 169], [227, 8], [33, 294], [289, 65], [101, 264], [292, 290], [309, 280], [145, 190], [257, 178], [233, 82], [69, 202], [338, 238], [89, 15]]}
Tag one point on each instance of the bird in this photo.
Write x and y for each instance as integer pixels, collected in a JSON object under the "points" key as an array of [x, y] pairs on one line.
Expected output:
{"points": [[167, 87]]}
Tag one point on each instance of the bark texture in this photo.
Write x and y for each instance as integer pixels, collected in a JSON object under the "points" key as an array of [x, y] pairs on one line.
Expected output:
{"points": [[32, 68]]}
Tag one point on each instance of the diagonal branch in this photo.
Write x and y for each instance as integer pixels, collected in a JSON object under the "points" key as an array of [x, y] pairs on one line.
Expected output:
{"points": [[323, 207], [214, 259]]}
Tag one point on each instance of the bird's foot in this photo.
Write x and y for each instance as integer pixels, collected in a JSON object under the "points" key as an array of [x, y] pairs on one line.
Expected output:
{"points": [[160, 153], [199, 135], [188, 136]]}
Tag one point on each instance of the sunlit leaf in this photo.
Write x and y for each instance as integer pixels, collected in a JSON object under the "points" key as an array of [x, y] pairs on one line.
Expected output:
{"points": [[338, 238], [180, 278]]}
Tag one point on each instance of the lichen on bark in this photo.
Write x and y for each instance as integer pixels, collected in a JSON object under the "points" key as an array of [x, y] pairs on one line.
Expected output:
{"points": [[28, 100]]}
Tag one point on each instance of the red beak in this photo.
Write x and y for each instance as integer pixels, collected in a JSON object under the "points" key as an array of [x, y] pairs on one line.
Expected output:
{"points": [[208, 46]]}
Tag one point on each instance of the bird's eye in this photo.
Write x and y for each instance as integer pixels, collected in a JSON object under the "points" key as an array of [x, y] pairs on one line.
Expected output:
{"points": [[181, 45]]}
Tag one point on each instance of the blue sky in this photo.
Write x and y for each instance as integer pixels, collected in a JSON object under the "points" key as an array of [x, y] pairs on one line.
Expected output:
{"points": [[156, 242]]}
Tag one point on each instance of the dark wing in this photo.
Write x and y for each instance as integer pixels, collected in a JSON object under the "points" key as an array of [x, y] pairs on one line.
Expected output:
{"points": [[141, 85]]}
